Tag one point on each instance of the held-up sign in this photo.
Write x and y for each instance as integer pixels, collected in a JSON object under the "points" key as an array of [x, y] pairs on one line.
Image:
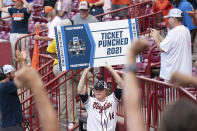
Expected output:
{"points": [[95, 43]]}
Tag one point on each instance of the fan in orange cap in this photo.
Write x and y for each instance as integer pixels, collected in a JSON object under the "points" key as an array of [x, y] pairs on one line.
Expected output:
{"points": [[47, 9]]}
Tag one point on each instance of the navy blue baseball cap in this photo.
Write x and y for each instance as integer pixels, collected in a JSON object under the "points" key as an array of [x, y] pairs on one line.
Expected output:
{"points": [[100, 84]]}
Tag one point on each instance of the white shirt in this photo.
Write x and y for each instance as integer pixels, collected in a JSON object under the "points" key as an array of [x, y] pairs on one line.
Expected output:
{"points": [[177, 52], [101, 115], [51, 25]]}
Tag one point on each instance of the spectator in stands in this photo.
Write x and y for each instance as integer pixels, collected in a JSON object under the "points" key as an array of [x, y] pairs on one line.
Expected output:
{"points": [[96, 7], [185, 6], [164, 6], [32, 80], [20, 16], [175, 48], [10, 105], [64, 8], [180, 116], [117, 4], [84, 16], [53, 20], [102, 109]]}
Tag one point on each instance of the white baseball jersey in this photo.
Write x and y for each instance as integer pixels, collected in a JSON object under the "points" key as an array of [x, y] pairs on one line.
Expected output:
{"points": [[101, 115]]}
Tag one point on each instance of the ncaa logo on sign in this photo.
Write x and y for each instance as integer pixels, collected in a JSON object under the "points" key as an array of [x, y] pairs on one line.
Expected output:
{"points": [[76, 47]]}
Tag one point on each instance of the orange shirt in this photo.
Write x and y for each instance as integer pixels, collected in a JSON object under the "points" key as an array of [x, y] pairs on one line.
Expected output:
{"points": [[121, 2], [164, 6]]}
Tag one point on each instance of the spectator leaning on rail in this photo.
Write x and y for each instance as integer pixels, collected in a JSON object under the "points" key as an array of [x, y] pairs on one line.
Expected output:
{"points": [[84, 16], [53, 20], [102, 108], [20, 16], [175, 48]]}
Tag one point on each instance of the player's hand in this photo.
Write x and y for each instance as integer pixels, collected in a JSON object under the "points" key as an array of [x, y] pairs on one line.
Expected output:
{"points": [[178, 79], [86, 70]]}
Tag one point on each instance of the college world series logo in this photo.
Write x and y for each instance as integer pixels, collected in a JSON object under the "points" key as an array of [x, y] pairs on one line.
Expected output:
{"points": [[76, 47]]}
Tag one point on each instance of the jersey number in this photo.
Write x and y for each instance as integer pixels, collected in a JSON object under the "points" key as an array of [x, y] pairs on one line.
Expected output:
{"points": [[111, 115]]}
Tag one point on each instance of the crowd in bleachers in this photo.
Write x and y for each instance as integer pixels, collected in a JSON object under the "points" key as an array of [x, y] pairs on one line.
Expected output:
{"points": [[174, 52]]}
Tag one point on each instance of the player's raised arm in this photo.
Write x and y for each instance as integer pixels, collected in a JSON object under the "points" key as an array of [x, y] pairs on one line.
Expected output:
{"points": [[81, 90], [116, 76]]}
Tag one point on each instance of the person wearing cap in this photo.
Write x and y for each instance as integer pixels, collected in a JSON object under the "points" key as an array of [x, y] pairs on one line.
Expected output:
{"points": [[10, 105], [102, 108], [184, 6], [53, 20], [96, 7], [176, 47], [20, 16], [84, 16]]}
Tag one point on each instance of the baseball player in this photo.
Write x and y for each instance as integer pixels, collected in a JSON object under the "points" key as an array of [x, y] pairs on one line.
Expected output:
{"points": [[102, 108]]}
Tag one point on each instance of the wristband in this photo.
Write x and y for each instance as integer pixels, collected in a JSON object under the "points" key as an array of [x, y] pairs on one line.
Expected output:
{"points": [[130, 68]]}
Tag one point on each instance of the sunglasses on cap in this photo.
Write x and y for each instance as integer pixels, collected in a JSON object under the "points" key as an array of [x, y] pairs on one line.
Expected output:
{"points": [[100, 85]]}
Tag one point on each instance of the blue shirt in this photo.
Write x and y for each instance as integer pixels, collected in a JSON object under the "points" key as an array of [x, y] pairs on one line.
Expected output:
{"points": [[184, 6], [10, 106], [19, 20]]}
